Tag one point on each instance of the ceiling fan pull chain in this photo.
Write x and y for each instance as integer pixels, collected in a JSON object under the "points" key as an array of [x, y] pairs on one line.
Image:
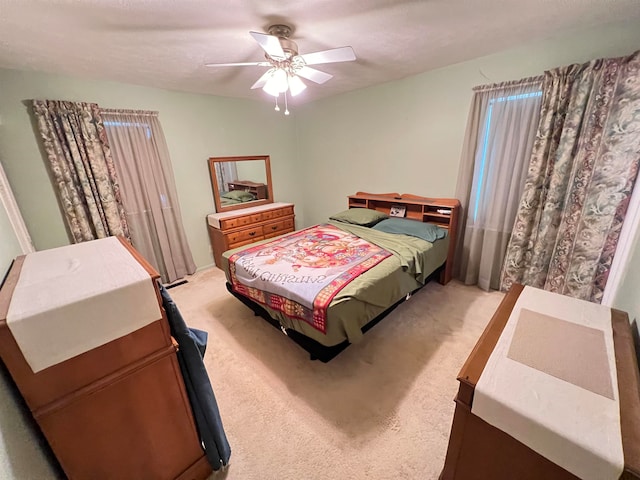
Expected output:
{"points": [[286, 107], [277, 109]]}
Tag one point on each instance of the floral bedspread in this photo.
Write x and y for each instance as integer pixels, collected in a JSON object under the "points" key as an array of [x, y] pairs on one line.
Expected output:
{"points": [[299, 274]]}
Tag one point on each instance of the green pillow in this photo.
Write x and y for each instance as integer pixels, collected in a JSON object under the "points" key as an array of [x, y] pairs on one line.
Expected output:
{"points": [[239, 195], [426, 231], [359, 216]]}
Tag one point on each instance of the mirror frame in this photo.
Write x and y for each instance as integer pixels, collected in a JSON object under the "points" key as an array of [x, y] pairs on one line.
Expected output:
{"points": [[214, 182]]}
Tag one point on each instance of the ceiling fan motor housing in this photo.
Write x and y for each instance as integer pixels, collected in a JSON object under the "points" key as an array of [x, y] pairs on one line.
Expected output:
{"points": [[283, 32]]}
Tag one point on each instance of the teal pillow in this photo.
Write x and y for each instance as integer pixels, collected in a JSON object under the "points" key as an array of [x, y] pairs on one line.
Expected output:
{"points": [[239, 195], [426, 231], [359, 216]]}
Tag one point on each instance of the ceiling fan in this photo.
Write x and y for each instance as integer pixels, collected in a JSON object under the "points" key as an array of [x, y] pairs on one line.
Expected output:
{"points": [[287, 66]]}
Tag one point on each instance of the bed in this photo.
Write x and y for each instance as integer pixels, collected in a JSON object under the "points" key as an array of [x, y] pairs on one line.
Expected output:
{"points": [[396, 265]]}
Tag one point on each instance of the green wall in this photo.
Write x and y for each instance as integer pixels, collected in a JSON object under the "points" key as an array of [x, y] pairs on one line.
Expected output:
{"points": [[401, 136], [196, 127], [406, 136]]}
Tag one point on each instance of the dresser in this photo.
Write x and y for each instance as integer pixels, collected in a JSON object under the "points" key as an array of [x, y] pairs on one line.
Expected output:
{"points": [[99, 372], [237, 228], [553, 417]]}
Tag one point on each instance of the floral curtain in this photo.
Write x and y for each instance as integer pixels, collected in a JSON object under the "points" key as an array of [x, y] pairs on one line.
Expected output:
{"points": [[581, 175], [80, 162]]}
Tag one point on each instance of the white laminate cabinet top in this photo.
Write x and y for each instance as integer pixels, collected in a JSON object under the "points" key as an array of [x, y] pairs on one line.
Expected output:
{"points": [[542, 405], [72, 299]]}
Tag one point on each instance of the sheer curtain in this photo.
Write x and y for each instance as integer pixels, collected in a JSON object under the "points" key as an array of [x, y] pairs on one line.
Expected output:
{"points": [[225, 172], [498, 143], [149, 194]]}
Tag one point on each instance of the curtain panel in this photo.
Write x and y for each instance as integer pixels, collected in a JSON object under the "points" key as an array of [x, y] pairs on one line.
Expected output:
{"points": [[499, 137], [149, 194], [581, 174], [82, 168], [225, 173]]}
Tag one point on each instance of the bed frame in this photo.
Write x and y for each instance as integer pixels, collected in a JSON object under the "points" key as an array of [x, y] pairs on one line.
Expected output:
{"points": [[442, 211]]}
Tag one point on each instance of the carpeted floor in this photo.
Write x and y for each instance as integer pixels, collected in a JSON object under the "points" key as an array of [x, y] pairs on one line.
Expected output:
{"points": [[382, 409]]}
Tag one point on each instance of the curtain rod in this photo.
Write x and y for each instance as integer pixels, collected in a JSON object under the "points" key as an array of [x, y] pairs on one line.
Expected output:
{"points": [[121, 111], [512, 83]]}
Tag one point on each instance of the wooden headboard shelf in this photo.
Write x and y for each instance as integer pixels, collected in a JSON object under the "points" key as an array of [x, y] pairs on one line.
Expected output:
{"points": [[444, 212], [259, 190]]}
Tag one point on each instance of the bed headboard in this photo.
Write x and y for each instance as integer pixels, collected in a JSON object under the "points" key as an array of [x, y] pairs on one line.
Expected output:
{"points": [[444, 212], [258, 190]]}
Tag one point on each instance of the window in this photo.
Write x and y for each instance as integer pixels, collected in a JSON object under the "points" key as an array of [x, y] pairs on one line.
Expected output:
{"points": [[488, 134], [498, 145]]}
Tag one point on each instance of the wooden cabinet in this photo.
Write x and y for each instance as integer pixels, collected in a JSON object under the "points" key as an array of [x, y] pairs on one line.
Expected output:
{"points": [[117, 411], [444, 212], [479, 450], [242, 227]]}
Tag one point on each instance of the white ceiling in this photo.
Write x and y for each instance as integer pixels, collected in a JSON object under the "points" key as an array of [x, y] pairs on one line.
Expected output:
{"points": [[165, 43]]}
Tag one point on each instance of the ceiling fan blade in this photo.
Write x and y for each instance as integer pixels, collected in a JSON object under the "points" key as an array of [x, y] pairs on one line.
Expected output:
{"points": [[270, 44], [241, 64], [342, 54], [263, 79], [313, 74]]}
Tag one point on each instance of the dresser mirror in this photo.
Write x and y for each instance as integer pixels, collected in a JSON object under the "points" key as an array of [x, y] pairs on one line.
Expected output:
{"points": [[240, 182]]}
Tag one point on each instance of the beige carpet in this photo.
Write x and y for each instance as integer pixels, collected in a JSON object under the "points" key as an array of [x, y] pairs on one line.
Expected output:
{"points": [[382, 409]]}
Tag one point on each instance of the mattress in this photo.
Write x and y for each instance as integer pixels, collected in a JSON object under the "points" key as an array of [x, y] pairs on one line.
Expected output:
{"points": [[373, 292]]}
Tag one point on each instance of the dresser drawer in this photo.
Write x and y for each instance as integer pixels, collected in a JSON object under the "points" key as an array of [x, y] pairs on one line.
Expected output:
{"points": [[241, 221], [270, 214], [276, 213], [277, 228], [245, 242], [239, 228], [281, 212], [251, 234]]}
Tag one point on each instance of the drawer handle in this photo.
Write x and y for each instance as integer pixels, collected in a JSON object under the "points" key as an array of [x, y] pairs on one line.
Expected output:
{"points": [[251, 234], [274, 227]]}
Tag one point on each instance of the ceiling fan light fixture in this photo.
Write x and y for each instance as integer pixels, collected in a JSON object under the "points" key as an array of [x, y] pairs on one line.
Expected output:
{"points": [[296, 85], [287, 67], [277, 83], [271, 88]]}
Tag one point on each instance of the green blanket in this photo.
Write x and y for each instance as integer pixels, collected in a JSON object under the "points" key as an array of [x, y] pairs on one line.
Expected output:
{"points": [[374, 291]]}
